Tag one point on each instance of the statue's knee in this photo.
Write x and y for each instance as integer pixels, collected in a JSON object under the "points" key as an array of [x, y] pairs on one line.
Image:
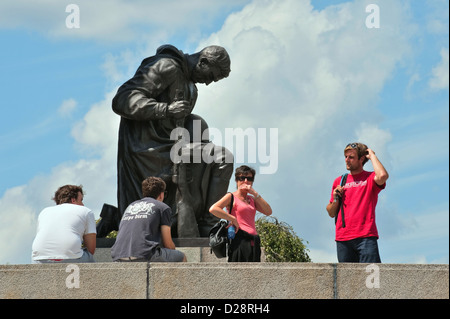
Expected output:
{"points": [[197, 128], [223, 164]]}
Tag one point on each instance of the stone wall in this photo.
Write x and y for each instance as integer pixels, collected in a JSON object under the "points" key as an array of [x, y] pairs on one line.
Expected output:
{"points": [[210, 280]]}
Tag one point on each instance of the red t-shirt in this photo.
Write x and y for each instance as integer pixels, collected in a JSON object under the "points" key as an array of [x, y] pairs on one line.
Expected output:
{"points": [[359, 201]]}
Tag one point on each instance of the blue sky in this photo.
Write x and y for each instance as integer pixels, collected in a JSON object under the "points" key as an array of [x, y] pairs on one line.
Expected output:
{"points": [[310, 69]]}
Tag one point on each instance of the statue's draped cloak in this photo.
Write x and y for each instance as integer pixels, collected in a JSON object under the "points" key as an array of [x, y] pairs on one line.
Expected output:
{"points": [[144, 133]]}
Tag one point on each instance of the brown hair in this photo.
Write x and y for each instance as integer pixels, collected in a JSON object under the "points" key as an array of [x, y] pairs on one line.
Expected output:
{"points": [[65, 193], [361, 150], [153, 187]]}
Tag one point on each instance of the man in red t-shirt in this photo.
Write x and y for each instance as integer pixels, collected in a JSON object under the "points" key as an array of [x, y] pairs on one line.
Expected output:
{"points": [[356, 231]]}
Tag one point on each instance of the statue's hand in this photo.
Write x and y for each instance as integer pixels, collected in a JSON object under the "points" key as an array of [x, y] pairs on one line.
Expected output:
{"points": [[179, 109]]}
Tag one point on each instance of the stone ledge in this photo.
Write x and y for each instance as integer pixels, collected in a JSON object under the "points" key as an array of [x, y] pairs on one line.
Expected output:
{"points": [[179, 242], [399, 281], [207, 280], [242, 280], [193, 254], [58, 281]]}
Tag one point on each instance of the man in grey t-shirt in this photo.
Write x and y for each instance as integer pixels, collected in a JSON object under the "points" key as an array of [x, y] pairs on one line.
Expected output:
{"points": [[144, 231]]}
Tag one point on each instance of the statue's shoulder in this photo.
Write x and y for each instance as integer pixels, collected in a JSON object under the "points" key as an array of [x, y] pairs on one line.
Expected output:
{"points": [[167, 59], [166, 68]]}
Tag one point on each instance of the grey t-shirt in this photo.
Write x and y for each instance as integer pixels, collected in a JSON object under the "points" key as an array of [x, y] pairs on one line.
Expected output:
{"points": [[140, 229]]}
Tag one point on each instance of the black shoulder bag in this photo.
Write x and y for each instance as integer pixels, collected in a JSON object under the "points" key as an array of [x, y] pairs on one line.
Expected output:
{"points": [[218, 238], [341, 204]]}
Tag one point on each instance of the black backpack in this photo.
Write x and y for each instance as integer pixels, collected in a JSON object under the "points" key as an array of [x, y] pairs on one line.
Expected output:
{"points": [[218, 239], [218, 236]]}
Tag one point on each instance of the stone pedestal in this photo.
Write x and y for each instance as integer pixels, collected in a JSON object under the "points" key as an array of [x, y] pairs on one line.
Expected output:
{"points": [[229, 281], [195, 249]]}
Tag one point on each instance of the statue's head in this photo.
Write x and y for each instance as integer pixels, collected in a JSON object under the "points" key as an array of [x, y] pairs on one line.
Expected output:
{"points": [[213, 65]]}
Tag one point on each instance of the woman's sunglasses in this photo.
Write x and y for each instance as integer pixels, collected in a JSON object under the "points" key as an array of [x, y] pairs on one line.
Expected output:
{"points": [[243, 178]]}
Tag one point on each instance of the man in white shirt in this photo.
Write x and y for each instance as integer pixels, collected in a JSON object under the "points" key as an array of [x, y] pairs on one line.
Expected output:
{"points": [[64, 228]]}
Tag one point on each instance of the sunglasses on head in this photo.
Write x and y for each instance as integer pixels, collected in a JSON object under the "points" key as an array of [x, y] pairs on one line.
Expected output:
{"points": [[242, 178], [360, 149]]}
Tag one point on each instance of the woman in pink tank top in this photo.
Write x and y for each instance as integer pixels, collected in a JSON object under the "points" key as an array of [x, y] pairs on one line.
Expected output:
{"points": [[246, 245]]}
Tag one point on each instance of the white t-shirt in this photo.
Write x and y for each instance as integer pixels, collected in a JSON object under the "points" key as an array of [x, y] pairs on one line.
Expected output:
{"points": [[60, 231]]}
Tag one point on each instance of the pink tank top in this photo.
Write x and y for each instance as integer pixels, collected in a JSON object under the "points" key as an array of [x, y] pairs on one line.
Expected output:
{"points": [[245, 214]]}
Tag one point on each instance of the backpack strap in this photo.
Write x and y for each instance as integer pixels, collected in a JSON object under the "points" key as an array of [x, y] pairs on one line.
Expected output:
{"points": [[232, 202], [341, 204]]}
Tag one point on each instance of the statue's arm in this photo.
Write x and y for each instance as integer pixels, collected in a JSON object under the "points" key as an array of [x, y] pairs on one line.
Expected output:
{"points": [[140, 98]]}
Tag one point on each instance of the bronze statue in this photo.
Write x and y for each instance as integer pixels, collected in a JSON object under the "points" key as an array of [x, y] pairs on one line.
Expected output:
{"points": [[156, 106]]}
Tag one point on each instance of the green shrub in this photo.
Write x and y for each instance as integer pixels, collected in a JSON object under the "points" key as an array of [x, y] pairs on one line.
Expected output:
{"points": [[280, 242]]}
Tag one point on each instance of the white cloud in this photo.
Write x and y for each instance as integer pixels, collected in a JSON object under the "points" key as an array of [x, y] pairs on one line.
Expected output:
{"points": [[18, 226], [423, 232], [304, 72], [409, 150], [440, 72], [311, 74], [21, 205], [376, 139], [301, 66], [322, 256], [114, 20], [97, 131], [437, 17], [67, 107], [316, 76], [96, 135]]}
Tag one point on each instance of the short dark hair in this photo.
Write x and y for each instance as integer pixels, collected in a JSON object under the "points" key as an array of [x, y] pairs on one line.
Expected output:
{"points": [[65, 193], [244, 169], [153, 187]]}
